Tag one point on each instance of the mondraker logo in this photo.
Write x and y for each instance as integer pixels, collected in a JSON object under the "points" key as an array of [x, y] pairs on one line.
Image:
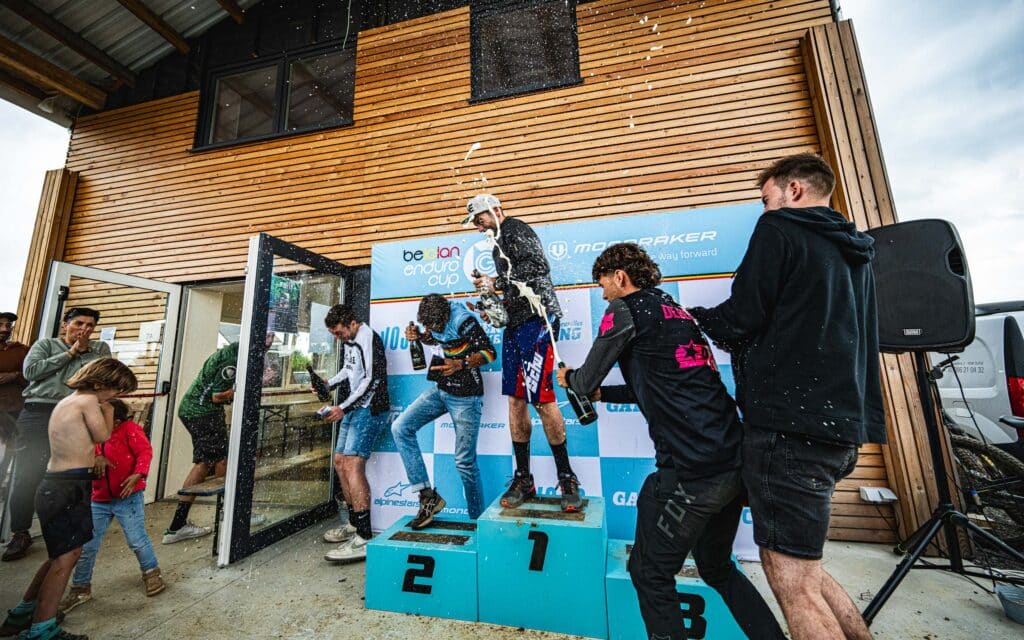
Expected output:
{"points": [[650, 241], [558, 250]]}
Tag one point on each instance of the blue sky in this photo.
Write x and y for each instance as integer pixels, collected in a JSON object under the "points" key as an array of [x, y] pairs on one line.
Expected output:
{"points": [[946, 80]]}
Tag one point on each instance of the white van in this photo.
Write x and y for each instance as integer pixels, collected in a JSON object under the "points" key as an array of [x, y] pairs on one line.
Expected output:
{"points": [[991, 373]]}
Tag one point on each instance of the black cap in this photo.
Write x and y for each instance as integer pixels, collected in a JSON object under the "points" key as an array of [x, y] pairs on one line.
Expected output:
{"points": [[8, 315]]}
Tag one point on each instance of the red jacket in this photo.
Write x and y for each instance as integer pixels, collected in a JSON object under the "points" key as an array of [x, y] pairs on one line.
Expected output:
{"points": [[128, 451]]}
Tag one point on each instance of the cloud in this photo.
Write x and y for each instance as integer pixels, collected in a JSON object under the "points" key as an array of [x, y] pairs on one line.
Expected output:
{"points": [[31, 146], [947, 89]]}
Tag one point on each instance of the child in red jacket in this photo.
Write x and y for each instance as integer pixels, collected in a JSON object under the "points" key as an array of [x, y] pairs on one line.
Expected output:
{"points": [[122, 464]]}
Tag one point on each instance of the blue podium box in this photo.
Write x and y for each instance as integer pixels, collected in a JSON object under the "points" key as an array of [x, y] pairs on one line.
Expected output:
{"points": [[540, 568], [703, 610], [430, 571]]}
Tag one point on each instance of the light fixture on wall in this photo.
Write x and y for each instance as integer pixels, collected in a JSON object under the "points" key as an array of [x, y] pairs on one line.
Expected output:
{"points": [[46, 105]]}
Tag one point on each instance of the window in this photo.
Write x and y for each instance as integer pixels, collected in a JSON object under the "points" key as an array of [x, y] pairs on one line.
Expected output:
{"points": [[289, 94], [519, 46]]}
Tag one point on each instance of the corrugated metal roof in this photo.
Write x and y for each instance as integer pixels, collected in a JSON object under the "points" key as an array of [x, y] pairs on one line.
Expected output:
{"points": [[112, 28]]}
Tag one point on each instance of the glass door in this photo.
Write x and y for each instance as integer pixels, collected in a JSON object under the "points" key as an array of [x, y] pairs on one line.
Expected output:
{"points": [[280, 476], [138, 321]]}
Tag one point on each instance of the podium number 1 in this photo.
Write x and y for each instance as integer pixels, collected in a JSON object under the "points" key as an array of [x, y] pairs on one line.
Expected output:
{"points": [[426, 570], [693, 615], [540, 550]]}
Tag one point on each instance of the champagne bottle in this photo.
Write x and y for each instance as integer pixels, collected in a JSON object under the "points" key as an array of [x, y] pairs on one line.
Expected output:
{"points": [[581, 405], [323, 392], [419, 360], [491, 304]]}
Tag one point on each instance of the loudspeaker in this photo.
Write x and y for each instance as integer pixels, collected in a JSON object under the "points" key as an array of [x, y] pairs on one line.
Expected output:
{"points": [[925, 301]]}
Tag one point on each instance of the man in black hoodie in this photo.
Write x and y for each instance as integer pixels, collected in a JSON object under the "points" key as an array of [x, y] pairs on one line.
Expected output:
{"points": [[802, 329]]}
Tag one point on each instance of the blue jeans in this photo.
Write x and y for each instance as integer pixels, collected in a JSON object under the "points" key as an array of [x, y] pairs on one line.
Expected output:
{"points": [[129, 513], [465, 412]]}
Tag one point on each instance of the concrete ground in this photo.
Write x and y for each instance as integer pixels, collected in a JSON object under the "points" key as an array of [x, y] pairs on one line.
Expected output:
{"points": [[288, 591]]}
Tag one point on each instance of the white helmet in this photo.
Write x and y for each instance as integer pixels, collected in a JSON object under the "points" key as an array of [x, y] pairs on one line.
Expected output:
{"points": [[479, 204]]}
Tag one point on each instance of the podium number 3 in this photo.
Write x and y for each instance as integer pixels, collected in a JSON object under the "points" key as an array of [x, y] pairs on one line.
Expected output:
{"points": [[692, 607], [540, 550], [426, 570]]}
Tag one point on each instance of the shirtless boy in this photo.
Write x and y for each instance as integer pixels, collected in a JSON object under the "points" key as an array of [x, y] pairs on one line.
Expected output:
{"points": [[80, 421]]}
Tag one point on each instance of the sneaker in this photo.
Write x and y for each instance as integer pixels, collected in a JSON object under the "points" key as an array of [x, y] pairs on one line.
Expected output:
{"points": [[352, 551], [152, 582], [521, 490], [570, 487], [341, 534], [76, 595], [17, 547], [431, 504], [187, 532], [15, 624]]}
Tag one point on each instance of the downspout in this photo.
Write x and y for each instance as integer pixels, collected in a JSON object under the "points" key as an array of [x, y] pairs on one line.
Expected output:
{"points": [[836, 10]]}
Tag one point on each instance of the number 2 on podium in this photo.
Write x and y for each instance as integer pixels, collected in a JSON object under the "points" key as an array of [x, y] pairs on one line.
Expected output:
{"points": [[426, 570]]}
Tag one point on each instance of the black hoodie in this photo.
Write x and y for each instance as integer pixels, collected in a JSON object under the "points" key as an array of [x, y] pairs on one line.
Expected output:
{"points": [[802, 328]]}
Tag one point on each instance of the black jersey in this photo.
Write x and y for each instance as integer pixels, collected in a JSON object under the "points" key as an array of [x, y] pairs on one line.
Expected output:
{"points": [[671, 374]]}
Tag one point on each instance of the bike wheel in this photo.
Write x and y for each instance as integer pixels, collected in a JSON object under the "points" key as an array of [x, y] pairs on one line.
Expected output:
{"points": [[997, 480]]}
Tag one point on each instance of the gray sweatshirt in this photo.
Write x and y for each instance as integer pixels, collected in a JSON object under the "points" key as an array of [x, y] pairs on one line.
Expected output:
{"points": [[48, 366]]}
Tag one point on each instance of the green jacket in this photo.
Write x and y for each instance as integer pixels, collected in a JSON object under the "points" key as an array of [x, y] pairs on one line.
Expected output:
{"points": [[217, 374], [47, 367]]}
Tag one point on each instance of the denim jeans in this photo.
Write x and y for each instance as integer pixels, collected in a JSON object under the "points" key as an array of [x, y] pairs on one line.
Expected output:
{"points": [[32, 452], [465, 412], [129, 513], [674, 518]]}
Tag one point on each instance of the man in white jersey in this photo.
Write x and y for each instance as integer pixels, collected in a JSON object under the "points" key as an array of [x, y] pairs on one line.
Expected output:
{"points": [[363, 413]]}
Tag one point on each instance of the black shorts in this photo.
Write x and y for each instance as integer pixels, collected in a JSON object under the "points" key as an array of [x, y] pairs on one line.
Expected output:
{"points": [[209, 437], [790, 480], [64, 506]]}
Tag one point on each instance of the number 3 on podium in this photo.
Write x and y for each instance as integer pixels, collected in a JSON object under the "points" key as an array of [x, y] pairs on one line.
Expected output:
{"points": [[692, 607]]}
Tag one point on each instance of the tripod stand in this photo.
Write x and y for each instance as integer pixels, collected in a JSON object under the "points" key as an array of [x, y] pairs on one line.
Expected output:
{"points": [[945, 518]]}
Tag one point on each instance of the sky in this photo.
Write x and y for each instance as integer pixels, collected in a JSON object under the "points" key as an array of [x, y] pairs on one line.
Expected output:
{"points": [[946, 80]]}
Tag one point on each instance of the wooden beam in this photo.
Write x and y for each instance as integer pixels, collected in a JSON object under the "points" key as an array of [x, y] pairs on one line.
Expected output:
{"points": [[233, 9], [67, 37], [47, 75], [156, 23], [21, 86]]}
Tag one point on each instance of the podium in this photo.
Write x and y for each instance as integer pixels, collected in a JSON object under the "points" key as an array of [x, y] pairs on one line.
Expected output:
{"points": [[543, 569], [430, 571], [703, 610], [533, 567]]}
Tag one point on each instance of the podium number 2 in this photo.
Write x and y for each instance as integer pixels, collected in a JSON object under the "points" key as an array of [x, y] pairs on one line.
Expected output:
{"points": [[426, 570], [540, 550], [693, 615]]}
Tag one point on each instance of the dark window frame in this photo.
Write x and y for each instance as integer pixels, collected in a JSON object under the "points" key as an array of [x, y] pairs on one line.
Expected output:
{"points": [[488, 8], [208, 98]]}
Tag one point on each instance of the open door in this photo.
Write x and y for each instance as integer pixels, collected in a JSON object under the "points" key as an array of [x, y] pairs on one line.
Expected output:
{"points": [[138, 320], [280, 475]]}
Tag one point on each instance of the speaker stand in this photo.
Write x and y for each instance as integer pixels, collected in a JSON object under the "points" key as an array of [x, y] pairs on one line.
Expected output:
{"points": [[945, 518]]}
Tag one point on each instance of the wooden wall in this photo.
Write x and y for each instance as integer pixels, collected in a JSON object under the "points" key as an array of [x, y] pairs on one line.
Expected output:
{"points": [[681, 104]]}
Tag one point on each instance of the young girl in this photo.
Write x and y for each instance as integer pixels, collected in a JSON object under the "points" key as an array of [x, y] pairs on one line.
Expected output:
{"points": [[122, 464]]}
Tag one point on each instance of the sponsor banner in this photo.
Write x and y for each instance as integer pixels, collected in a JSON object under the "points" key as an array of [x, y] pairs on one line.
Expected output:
{"points": [[495, 474], [391, 497], [696, 250], [621, 481], [683, 243]]}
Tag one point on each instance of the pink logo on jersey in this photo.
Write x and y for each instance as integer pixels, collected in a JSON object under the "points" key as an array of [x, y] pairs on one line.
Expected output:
{"points": [[695, 354], [606, 323], [676, 313]]}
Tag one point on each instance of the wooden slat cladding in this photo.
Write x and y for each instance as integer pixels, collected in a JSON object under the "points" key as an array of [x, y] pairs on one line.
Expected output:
{"points": [[48, 244], [849, 141], [680, 105], [675, 117]]}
